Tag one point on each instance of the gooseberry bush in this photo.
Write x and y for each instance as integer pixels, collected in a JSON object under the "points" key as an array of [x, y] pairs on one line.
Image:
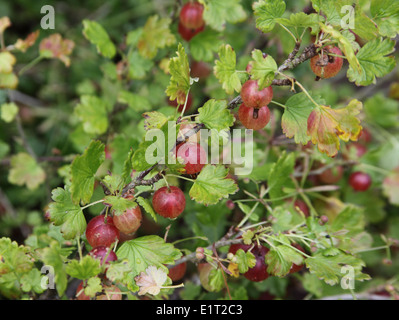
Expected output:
{"points": [[198, 150]]}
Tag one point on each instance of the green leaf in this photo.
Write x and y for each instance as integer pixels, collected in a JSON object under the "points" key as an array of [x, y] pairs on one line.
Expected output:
{"points": [[148, 251], [4, 149], [31, 281], [92, 111], [93, 287], [146, 205], [155, 35], [25, 171], [373, 62], [263, 69], [127, 168], [85, 268], [8, 80], [301, 20], [279, 175], [113, 182], [179, 83], [14, 257], [382, 110], [204, 45], [267, 12], [97, 35], [155, 120], [294, 121], [215, 115], [138, 65], [8, 111], [65, 213], [211, 185], [216, 280], [83, 170], [119, 204], [135, 102], [280, 260], [55, 256], [351, 220], [218, 12], [329, 268], [385, 14], [245, 260], [225, 69]]}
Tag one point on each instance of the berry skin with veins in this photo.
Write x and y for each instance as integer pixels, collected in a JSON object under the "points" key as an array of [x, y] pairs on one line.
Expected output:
{"points": [[255, 119], [326, 65], [252, 97], [101, 231], [169, 203], [191, 15], [193, 155]]}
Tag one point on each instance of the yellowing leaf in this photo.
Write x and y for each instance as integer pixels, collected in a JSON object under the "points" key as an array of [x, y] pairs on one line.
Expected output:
{"points": [[7, 60], [179, 69], [25, 170], [4, 23], [326, 126], [56, 47], [29, 41], [156, 35]]}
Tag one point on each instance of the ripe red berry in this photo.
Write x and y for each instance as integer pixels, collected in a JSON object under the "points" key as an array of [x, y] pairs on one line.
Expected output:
{"points": [[177, 272], [191, 15], [169, 203], [103, 253], [253, 97], [255, 119], [173, 103], [325, 65], [360, 181], [101, 231], [259, 271], [186, 33], [193, 155], [129, 221]]}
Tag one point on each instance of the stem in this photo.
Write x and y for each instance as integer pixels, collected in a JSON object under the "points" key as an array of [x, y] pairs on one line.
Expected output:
{"points": [[286, 29], [175, 175], [185, 104], [92, 204], [30, 65], [190, 238], [279, 104]]}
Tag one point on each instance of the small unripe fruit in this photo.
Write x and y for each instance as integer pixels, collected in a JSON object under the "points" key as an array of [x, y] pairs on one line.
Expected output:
{"points": [[193, 155], [326, 65], [191, 15], [129, 221], [169, 203], [255, 119], [101, 231], [360, 181], [199, 253], [252, 97]]}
